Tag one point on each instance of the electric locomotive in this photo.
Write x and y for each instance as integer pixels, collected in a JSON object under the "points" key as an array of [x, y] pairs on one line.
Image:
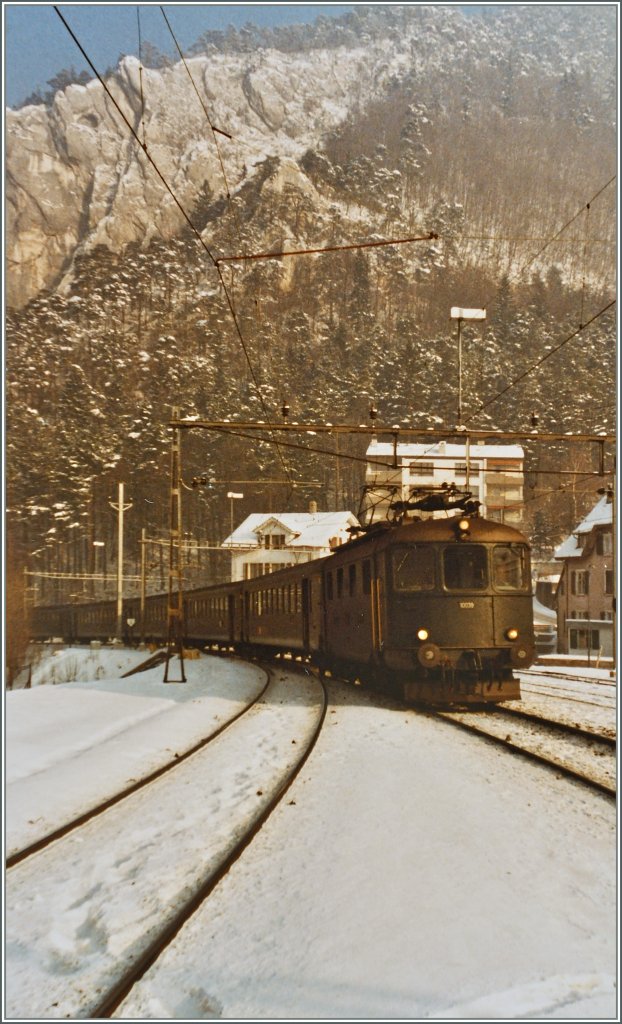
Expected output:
{"points": [[442, 612]]}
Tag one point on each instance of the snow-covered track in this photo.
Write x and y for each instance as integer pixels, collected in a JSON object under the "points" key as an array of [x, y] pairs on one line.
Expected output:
{"points": [[560, 694], [545, 673], [99, 808], [570, 751], [563, 728], [87, 916]]}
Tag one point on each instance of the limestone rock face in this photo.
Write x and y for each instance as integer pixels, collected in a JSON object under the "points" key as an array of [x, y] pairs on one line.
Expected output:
{"points": [[77, 178]]}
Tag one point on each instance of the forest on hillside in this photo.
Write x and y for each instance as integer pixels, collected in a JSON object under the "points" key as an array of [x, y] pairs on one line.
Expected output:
{"points": [[493, 156]]}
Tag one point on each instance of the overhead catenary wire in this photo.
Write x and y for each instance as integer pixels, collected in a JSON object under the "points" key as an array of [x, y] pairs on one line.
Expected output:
{"points": [[314, 450], [183, 59], [230, 202], [540, 361], [528, 263], [431, 236], [189, 222], [140, 78], [567, 224]]}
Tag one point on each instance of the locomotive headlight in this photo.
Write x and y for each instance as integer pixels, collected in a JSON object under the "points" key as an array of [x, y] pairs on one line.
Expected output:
{"points": [[422, 634], [463, 529], [511, 634]]}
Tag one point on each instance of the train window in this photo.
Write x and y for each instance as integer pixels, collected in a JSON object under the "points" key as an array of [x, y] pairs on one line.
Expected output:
{"points": [[298, 598], [413, 567], [367, 576], [352, 579], [329, 586], [339, 582], [509, 567], [464, 567]]}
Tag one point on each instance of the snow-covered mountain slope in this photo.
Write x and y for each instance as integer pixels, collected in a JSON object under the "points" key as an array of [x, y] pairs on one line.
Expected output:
{"points": [[77, 178]]}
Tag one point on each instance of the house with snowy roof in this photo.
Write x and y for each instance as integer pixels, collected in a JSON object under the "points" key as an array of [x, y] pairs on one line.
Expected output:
{"points": [[265, 542], [585, 593]]}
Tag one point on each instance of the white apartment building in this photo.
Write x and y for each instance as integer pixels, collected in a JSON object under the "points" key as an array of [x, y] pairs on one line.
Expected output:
{"points": [[494, 475], [265, 542]]}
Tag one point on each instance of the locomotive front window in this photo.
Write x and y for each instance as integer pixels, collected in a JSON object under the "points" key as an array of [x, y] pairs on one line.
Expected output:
{"points": [[413, 567], [464, 567], [509, 567]]}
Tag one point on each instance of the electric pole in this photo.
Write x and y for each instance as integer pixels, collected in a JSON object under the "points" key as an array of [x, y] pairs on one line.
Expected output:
{"points": [[120, 508]]}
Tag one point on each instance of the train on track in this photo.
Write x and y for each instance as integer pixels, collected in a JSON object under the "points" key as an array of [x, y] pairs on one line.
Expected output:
{"points": [[436, 610]]}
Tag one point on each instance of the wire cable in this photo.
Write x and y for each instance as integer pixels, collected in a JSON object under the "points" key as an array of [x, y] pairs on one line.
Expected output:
{"points": [[140, 77], [230, 202], [188, 221], [539, 362], [328, 249], [528, 263]]}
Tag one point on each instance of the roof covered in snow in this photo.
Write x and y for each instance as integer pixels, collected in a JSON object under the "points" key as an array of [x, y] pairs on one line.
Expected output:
{"points": [[601, 515], [301, 529]]}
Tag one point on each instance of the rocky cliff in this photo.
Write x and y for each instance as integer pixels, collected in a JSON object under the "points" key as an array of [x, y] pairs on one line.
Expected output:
{"points": [[76, 178]]}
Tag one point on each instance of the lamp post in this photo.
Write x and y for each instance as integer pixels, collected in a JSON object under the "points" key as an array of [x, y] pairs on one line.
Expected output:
{"points": [[463, 314], [232, 495]]}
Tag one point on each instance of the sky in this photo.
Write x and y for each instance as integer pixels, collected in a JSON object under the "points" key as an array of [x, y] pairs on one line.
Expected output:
{"points": [[37, 44], [410, 872]]}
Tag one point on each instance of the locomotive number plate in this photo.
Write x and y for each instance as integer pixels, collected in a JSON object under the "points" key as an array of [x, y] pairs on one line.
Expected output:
{"points": [[467, 604]]}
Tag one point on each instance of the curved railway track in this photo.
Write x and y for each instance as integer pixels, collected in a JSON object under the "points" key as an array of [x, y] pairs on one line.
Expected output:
{"points": [[572, 751], [134, 787], [104, 985]]}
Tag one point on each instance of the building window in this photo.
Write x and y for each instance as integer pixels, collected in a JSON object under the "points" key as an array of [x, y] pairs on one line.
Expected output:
{"points": [[582, 639], [604, 543], [609, 581], [274, 540], [579, 582], [420, 468]]}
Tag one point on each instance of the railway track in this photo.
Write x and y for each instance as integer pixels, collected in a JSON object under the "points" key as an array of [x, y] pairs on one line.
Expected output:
{"points": [[99, 808], [121, 908], [570, 750], [566, 677], [568, 695]]}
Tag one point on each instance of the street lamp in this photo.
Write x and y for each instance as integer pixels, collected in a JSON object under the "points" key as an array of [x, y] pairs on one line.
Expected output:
{"points": [[459, 314], [232, 495]]}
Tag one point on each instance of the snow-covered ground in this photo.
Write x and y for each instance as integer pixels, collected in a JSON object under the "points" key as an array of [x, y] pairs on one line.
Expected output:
{"points": [[413, 871]]}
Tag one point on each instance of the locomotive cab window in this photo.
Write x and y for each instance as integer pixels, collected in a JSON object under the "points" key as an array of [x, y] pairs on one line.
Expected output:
{"points": [[464, 567], [413, 567], [509, 567]]}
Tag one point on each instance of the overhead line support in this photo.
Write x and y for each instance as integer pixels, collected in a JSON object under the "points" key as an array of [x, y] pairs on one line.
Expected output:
{"points": [[425, 433]]}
